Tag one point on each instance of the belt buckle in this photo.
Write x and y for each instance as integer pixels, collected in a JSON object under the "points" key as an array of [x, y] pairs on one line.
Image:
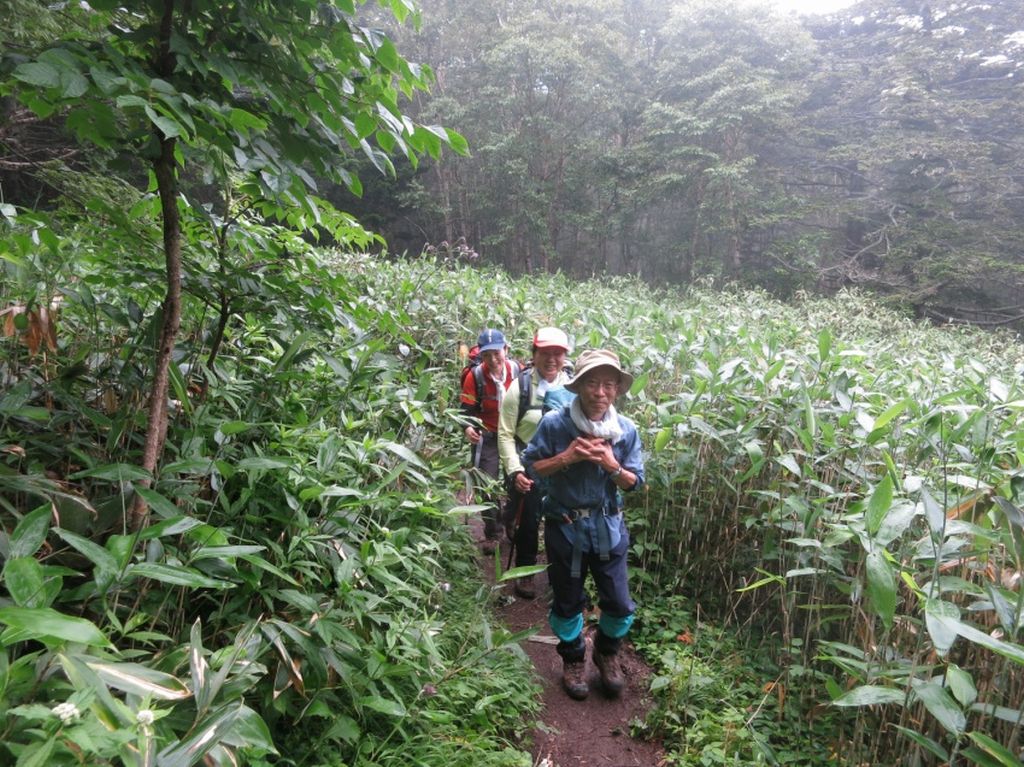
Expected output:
{"points": [[582, 513]]}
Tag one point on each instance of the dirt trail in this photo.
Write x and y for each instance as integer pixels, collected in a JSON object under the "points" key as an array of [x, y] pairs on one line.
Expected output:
{"points": [[589, 733]]}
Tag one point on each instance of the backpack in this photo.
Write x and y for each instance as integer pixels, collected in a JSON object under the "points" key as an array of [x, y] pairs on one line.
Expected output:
{"points": [[471, 356], [526, 392]]}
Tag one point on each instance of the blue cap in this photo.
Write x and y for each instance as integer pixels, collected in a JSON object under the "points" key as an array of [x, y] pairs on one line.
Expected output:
{"points": [[491, 339]]}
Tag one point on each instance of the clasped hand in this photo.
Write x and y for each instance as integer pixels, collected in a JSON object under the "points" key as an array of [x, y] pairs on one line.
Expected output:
{"points": [[593, 449]]}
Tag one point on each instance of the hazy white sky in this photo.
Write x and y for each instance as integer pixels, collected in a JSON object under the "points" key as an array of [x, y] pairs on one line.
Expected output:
{"points": [[810, 6]]}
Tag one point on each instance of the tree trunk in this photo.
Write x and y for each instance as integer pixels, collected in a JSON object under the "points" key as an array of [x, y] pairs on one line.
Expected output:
{"points": [[445, 193], [167, 184]]}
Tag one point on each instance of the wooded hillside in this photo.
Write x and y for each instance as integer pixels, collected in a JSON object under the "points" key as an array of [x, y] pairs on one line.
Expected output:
{"points": [[880, 147]]}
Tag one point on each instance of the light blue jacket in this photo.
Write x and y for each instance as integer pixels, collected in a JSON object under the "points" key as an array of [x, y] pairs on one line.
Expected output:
{"points": [[583, 485]]}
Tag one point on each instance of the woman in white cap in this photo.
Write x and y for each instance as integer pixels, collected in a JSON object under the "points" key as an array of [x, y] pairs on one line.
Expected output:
{"points": [[525, 402], [590, 455]]}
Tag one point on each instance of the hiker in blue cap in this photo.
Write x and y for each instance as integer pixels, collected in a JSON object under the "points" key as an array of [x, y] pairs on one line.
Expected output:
{"points": [[483, 388], [589, 455]]}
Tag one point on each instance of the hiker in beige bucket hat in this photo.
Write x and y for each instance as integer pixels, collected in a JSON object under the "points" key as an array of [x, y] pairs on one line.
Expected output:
{"points": [[587, 456]]}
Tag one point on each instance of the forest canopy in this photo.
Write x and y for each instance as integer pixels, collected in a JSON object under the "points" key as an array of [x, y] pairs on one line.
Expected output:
{"points": [[878, 147]]}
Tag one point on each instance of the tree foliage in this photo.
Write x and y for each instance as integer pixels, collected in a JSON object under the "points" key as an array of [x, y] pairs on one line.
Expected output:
{"points": [[251, 97], [876, 147]]}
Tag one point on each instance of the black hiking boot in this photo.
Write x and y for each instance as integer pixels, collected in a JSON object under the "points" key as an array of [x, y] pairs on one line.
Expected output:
{"points": [[524, 587], [611, 673], [574, 679]]}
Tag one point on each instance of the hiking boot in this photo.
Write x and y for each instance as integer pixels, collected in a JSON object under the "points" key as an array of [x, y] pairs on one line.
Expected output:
{"points": [[489, 546], [524, 587], [611, 672], [574, 679]]}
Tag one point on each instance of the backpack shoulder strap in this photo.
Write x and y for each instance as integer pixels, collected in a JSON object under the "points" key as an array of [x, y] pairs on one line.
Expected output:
{"points": [[525, 392], [478, 378]]}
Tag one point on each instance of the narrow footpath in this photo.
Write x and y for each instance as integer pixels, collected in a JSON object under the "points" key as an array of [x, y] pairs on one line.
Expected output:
{"points": [[591, 733]]}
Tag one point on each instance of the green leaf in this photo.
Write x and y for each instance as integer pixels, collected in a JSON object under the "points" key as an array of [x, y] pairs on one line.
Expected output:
{"points": [[1006, 611], [45, 623], [246, 122], [891, 413], [250, 731], [941, 705], [938, 615], [1007, 649], [824, 344], [168, 127], [870, 695], [1005, 713], [926, 743], [233, 427], [810, 422], [345, 728], [115, 472], [961, 685], [881, 586], [975, 755], [789, 462], [661, 438], [38, 755], [224, 552], [28, 411], [99, 556], [457, 142], [38, 73], [1005, 757], [73, 84], [176, 576], [521, 572], [383, 705], [387, 55], [263, 462], [30, 533], [198, 467], [404, 453], [639, 383], [136, 679], [261, 564], [878, 505], [105, 80], [199, 668], [173, 526], [158, 503], [468, 509], [24, 579], [934, 514], [1013, 514], [209, 733]]}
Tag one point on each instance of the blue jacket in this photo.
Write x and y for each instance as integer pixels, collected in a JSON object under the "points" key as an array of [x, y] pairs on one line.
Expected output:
{"points": [[583, 484]]}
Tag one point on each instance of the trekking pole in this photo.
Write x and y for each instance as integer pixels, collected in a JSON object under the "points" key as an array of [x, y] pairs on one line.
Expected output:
{"points": [[478, 451], [515, 529]]}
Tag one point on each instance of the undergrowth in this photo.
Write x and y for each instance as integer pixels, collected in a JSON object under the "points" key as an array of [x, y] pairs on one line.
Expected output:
{"points": [[838, 489]]}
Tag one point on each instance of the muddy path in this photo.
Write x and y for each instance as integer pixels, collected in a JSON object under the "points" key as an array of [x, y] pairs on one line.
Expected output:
{"points": [[591, 733]]}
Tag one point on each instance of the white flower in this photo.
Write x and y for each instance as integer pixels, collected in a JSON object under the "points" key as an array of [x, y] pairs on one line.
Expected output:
{"points": [[66, 712], [145, 717]]}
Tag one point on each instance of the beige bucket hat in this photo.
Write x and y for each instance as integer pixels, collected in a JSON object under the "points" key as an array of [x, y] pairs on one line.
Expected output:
{"points": [[599, 358]]}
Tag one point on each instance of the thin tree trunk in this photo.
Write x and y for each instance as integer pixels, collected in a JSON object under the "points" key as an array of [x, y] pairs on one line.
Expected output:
{"points": [[167, 184]]}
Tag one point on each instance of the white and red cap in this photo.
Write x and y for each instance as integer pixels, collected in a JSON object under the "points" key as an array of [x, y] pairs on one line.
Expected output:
{"points": [[550, 338]]}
